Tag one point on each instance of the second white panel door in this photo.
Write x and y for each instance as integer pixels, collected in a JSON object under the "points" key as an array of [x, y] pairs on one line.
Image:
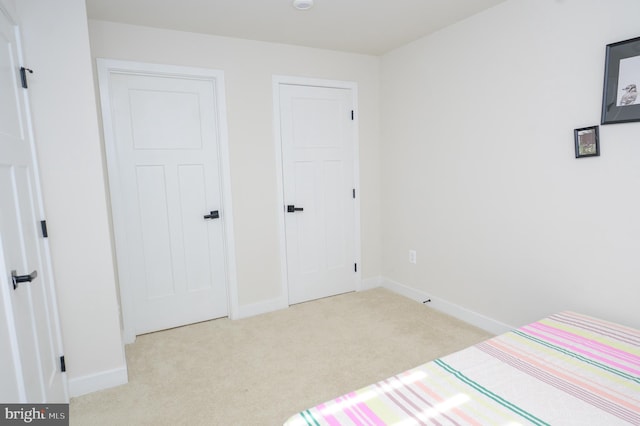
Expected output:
{"points": [[166, 138], [317, 136]]}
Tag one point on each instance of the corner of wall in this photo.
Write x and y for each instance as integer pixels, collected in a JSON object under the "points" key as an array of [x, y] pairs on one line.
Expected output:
{"points": [[371, 283], [253, 309], [68, 142]]}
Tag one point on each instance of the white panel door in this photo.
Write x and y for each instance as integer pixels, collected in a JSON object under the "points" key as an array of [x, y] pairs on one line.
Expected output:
{"points": [[317, 136], [167, 204], [30, 335]]}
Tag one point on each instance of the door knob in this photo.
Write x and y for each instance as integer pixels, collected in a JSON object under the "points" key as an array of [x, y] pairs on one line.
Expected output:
{"points": [[17, 279], [293, 209], [212, 215]]}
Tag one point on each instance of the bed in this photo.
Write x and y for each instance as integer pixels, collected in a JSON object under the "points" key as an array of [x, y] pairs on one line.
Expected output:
{"points": [[567, 369]]}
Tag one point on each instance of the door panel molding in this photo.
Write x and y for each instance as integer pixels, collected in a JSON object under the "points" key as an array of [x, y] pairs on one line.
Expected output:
{"points": [[108, 67], [277, 82]]}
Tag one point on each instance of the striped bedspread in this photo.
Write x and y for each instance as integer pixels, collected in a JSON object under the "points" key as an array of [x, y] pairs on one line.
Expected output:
{"points": [[567, 369]]}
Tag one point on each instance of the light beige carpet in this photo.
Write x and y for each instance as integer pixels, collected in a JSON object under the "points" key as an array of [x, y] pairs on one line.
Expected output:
{"points": [[262, 370]]}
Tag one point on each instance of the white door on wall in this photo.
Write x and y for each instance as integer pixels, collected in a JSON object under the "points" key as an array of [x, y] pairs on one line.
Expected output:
{"points": [[163, 133], [30, 340], [317, 131]]}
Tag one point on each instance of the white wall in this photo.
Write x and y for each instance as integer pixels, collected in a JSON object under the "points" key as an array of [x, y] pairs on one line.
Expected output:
{"points": [[249, 67], [56, 46], [479, 174]]}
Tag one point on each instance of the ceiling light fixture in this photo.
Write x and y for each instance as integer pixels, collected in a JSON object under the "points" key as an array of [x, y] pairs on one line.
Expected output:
{"points": [[303, 4]]}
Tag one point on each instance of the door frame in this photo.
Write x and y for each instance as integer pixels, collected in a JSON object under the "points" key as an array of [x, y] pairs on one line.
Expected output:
{"points": [[279, 80], [107, 66]]}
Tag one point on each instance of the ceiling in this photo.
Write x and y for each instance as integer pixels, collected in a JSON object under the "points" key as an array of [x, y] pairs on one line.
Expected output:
{"points": [[360, 26]]}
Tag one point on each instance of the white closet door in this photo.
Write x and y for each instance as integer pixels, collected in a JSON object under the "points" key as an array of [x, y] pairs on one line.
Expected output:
{"points": [[168, 205], [317, 132]]}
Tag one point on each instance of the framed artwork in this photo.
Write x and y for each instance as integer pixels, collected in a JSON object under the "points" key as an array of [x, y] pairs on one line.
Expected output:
{"points": [[587, 141], [620, 100]]}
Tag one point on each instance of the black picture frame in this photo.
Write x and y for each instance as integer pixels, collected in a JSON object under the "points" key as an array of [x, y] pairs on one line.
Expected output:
{"points": [[621, 100], [587, 141]]}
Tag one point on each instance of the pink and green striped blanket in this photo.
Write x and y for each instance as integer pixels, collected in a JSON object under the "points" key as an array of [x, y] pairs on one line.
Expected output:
{"points": [[567, 369]]}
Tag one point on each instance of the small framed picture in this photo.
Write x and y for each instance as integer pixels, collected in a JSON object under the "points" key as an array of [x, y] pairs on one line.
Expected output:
{"points": [[587, 142], [620, 100]]}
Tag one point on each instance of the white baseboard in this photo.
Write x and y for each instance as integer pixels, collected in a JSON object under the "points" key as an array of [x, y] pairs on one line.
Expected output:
{"points": [[98, 381], [370, 283], [246, 311], [253, 309], [457, 311]]}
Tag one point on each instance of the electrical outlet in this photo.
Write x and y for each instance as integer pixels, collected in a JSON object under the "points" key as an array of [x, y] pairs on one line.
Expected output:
{"points": [[412, 257]]}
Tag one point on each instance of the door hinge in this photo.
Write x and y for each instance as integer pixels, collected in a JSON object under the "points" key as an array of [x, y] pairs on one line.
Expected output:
{"points": [[355, 267], [23, 76], [43, 226], [63, 366], [352, 115], [354, 193]]}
